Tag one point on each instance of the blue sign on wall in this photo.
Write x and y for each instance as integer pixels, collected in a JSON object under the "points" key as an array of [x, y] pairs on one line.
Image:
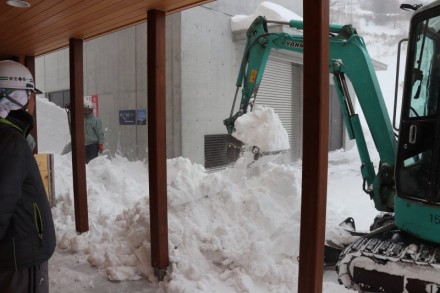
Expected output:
{"points": [[127, 117], [141, 116]]}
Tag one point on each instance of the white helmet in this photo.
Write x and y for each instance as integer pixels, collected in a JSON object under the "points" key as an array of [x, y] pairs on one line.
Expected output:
{"points": [[88, 105], [14, 75]]}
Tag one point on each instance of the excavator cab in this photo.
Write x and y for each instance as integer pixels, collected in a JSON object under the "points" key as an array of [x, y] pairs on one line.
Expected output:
{"points": [[406, 258], [417, 202]]}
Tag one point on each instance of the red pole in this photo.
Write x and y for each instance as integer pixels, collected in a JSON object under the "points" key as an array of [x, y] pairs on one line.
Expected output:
{"points": [[315, 145], [157, 141], [77, 128]]}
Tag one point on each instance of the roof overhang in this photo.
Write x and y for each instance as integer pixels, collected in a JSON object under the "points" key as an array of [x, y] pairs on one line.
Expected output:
{"points": [[47, 25]]}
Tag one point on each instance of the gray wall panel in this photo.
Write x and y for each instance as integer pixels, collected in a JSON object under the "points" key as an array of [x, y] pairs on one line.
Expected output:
{"points": [[210, 65], [115, 70]]}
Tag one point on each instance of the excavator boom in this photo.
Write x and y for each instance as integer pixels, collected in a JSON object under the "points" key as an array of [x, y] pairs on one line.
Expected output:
{"points": [[349, 60]]}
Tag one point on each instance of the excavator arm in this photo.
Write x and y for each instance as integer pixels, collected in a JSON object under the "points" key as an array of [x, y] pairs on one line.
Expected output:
{"points": [[350, 60]]}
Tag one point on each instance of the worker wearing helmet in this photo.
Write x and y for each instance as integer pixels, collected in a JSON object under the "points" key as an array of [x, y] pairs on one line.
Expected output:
{"points": [[93, 132], [27, 234]]}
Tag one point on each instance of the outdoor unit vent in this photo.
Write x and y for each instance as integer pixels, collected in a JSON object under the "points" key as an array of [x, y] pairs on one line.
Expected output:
{"points": [[215, 151]]}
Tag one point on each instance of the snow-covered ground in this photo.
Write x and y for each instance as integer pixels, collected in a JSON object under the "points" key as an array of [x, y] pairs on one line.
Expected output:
{"points": [[235, 230]]}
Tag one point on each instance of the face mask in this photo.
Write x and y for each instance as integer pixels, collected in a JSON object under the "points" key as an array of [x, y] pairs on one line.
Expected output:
{"points": [[11, 100]]}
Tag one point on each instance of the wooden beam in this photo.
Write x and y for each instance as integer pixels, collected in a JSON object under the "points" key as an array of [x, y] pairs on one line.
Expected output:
{"points": [[315, 145], [29, 62], [156, 91], [77, 133], [47, 25]]}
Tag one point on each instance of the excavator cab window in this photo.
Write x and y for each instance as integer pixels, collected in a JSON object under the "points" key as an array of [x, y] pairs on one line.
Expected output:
{"points": [[424, 92], [418, 168]]}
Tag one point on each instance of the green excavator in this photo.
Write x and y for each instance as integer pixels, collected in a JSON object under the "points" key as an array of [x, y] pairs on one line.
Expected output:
{"points": [[401, 253]]}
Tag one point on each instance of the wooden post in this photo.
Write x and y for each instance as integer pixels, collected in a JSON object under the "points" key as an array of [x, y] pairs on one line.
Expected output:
{"points": [[77, 133], [29, 62], [315, 145], [157, 141]]}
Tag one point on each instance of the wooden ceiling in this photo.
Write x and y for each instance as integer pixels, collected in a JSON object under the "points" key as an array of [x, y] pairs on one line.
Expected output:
{"points": [[49, 24]]}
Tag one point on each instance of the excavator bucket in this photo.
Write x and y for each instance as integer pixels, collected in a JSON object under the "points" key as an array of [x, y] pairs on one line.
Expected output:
{"points": [[235, 149], [258, 134]]}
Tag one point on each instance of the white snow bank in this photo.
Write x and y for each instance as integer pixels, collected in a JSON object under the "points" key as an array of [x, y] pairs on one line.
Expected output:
{"points": [[212, 240], [235, 230], [263, 128], [269, 10], [51, 138]]}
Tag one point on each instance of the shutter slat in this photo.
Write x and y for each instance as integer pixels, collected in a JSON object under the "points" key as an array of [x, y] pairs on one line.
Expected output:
{"points": [[279, 90]]}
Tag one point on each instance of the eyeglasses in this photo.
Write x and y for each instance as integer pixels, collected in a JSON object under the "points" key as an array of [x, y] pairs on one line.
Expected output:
{"points": [[7, 92]]}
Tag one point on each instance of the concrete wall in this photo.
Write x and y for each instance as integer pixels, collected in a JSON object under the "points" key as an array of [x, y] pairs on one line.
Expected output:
{"points": [[52, 71], [110, 72], [210, 61], [115, 69], [202, 65]]}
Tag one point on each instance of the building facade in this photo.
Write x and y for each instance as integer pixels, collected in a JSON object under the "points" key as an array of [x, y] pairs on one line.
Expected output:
{"points": [[203, 59]]}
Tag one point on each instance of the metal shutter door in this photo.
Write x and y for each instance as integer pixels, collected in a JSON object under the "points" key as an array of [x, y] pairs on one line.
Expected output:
{"points": [[281, 89]]}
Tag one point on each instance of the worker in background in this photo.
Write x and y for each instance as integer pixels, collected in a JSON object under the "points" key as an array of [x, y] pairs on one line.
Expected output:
{"points": [[93, 133], [27, 234]]}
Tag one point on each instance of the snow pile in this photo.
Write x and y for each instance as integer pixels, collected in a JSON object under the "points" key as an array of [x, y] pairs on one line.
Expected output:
{"points": [[235, 230], [51, 138], [263, 128], [269, 10], [227, 229], [217, 245]]}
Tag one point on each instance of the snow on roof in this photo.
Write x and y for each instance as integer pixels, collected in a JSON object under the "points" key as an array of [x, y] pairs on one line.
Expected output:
{"points": [[270, 10]]}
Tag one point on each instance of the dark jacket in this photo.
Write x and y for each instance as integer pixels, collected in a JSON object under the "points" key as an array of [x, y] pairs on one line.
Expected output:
{"points": [[27, 234]]}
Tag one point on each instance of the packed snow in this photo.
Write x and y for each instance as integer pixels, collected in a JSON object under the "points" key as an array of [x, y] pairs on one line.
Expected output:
{"points": [[234, 230], [263, 128]]}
